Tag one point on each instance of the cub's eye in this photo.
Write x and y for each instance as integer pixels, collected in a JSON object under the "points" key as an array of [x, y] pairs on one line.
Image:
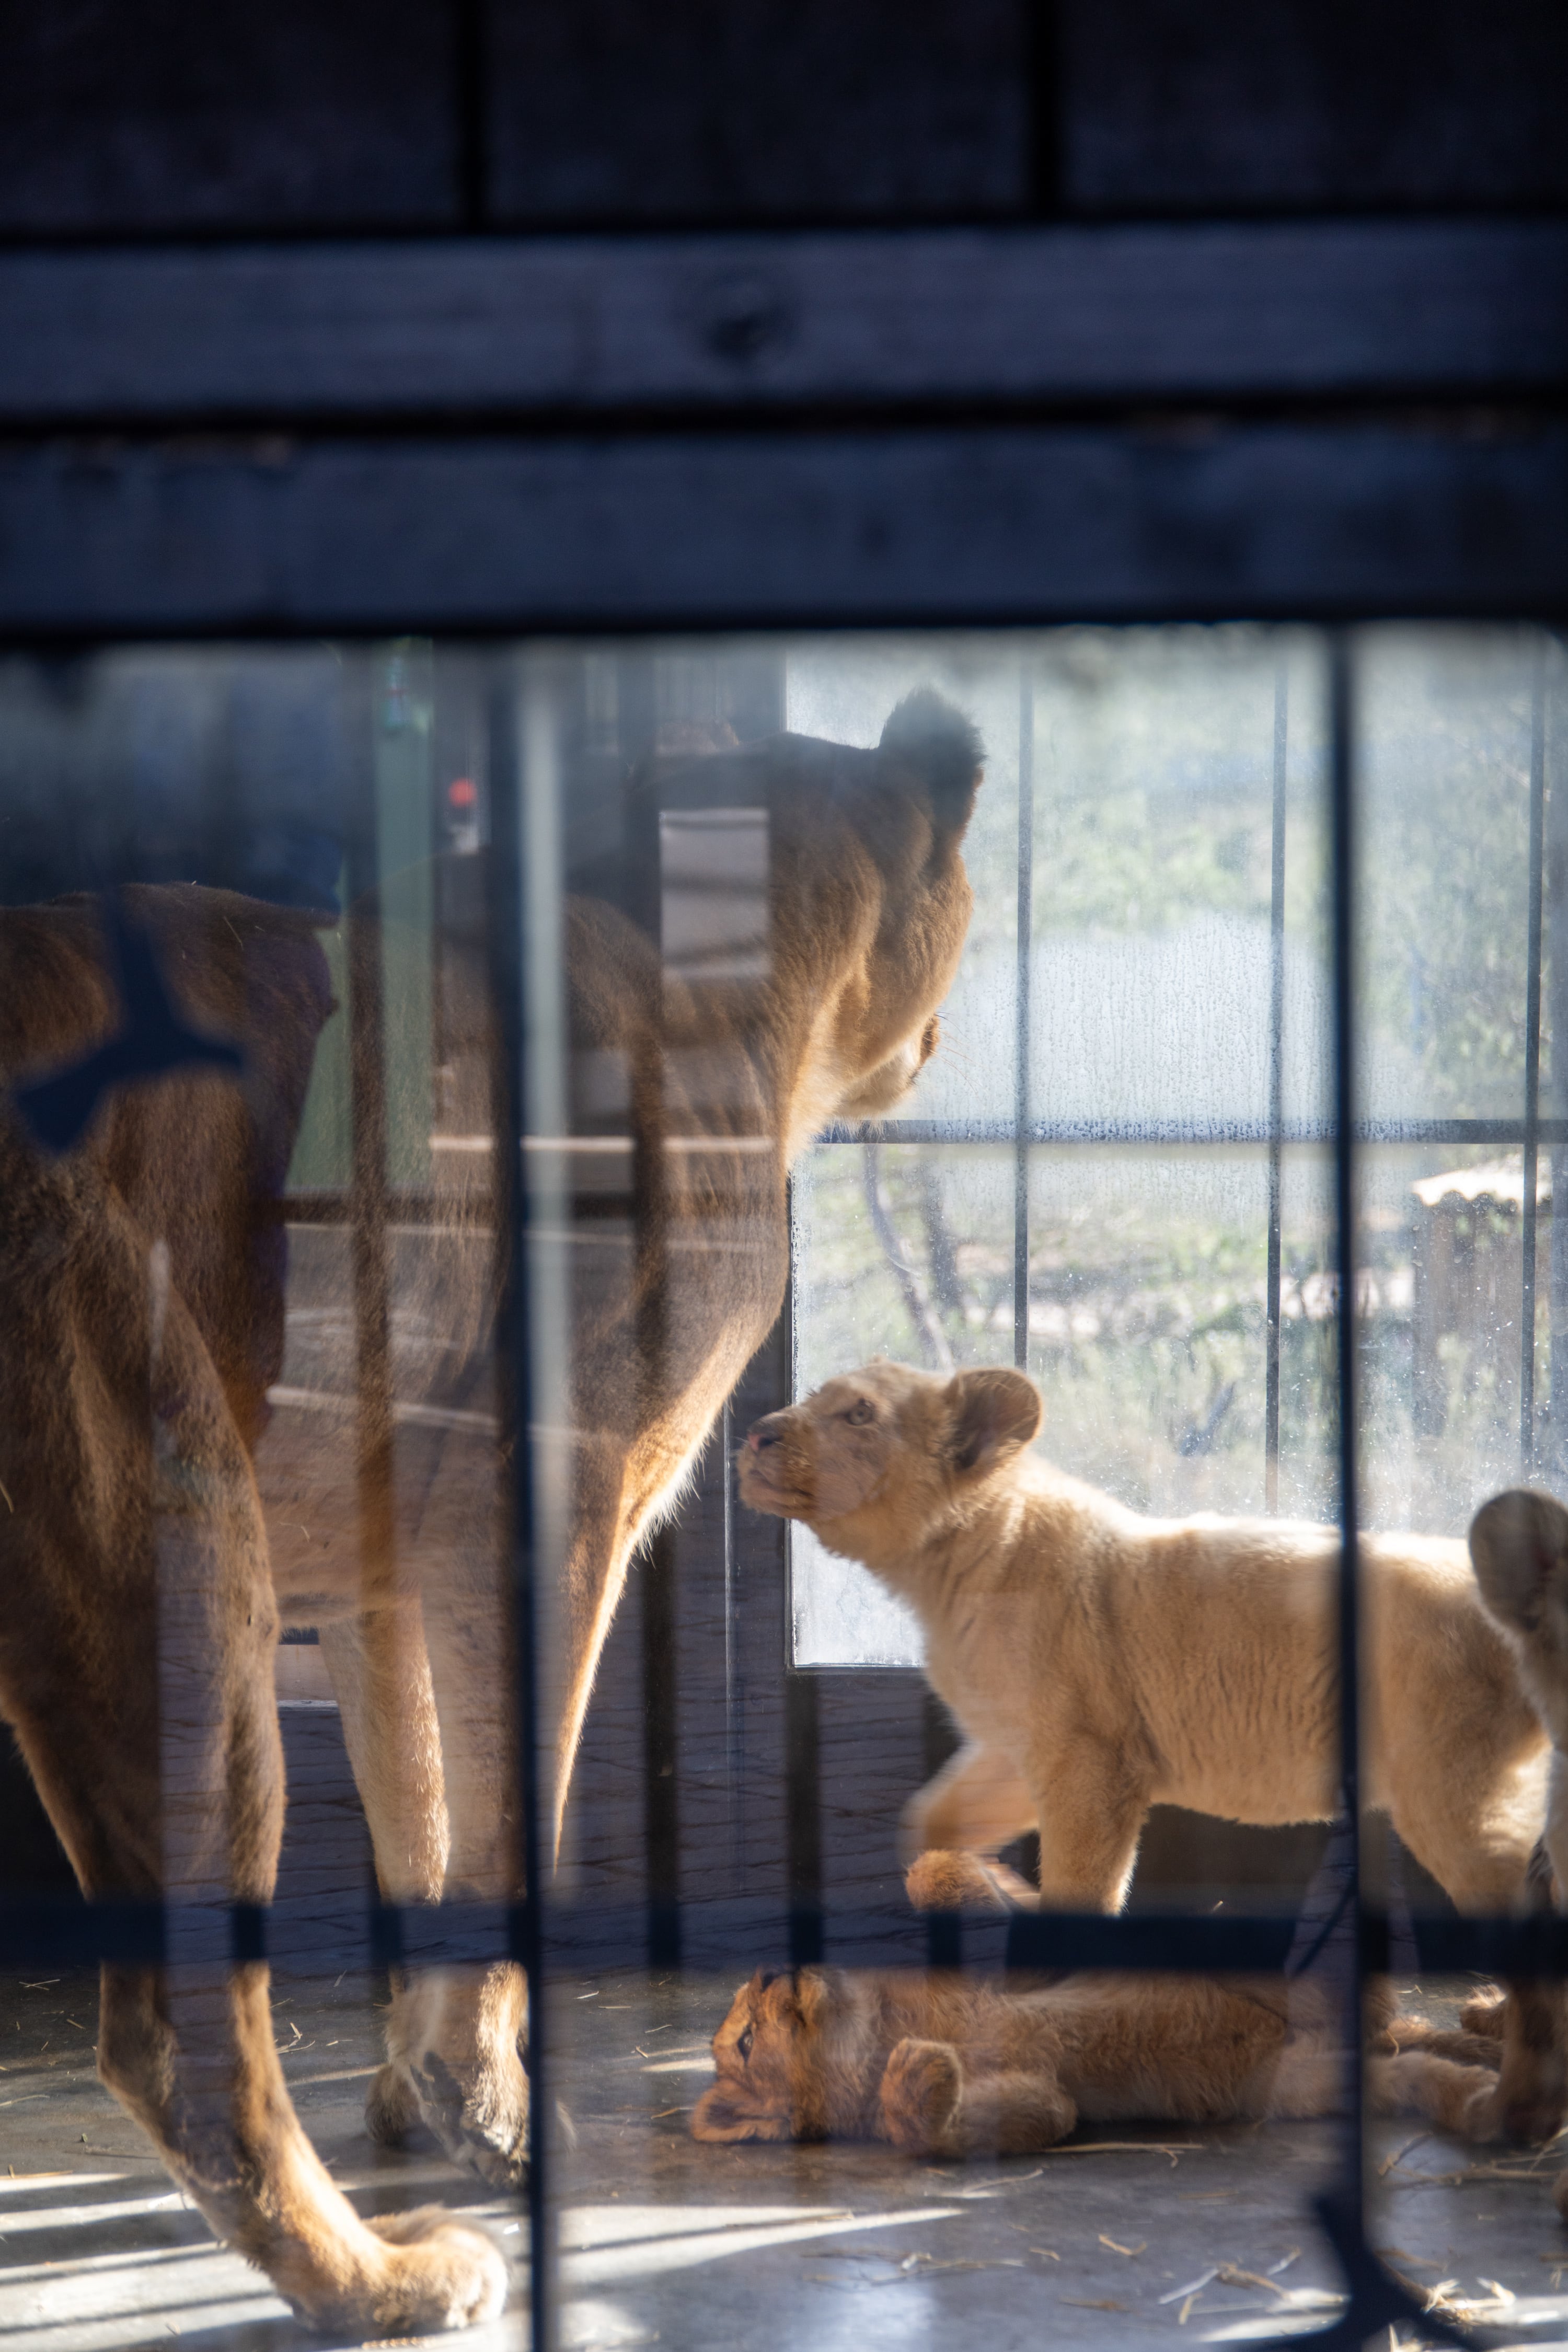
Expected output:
{"points": [[858, 1414], [744, 2045]]}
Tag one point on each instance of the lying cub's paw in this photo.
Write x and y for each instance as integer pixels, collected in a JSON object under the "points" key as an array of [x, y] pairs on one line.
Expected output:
{"points": [[1483, 2013], [921, 2087]]}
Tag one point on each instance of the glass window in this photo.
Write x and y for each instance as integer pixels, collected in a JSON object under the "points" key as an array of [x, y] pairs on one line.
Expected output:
{"points": [[408, 1541]]}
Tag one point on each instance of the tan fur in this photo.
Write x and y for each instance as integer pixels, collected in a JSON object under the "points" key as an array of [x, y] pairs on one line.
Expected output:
{"points": [[161, 1521], [1099, 1661], [1519, 1543], [949, 2064]]}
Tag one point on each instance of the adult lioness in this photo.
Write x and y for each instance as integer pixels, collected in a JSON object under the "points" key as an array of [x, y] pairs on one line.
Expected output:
{"points": [[141, 1330]]}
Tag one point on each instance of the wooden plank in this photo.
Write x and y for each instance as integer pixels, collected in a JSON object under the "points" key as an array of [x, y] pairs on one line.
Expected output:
{"points": [[1166, 106], [993, 318], [204, 116], [609, 109], [736, 529]]}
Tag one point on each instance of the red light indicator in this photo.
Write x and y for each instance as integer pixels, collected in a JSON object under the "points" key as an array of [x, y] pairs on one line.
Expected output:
{"points": [[462, 792]]}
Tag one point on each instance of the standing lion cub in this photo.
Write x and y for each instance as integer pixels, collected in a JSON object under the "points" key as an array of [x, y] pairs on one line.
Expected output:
{"points": [[1100, 1663]]}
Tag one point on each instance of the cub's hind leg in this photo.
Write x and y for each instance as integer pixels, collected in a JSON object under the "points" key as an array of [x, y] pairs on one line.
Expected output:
{"points": [[931, 2106]]}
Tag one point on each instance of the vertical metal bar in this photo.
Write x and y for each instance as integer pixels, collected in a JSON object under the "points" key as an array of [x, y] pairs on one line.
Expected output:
{"points": [[661, 1802], [1021, 1034], [368, 1204], [1341, 782], [803, 1722], [734, 1749], [1555, 958], [1276, 1093], [510, 909], [1531, 1065]]}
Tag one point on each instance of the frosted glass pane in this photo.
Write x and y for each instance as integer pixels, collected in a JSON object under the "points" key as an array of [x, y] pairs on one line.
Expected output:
{"points": [[840, 1615], [1154, 771], [1445, 718]]}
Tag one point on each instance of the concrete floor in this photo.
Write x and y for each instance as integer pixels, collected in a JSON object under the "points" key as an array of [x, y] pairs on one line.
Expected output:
{"points": [[845, 2249]]}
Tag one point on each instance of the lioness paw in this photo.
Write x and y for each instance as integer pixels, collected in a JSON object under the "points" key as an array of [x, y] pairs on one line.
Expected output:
{"points": [[922, 2085], [440, 2272]]}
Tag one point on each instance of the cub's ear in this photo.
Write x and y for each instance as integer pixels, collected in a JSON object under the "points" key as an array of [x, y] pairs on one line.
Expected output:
{"points": [[719, 2115], [944, 750], [1519, 1544], [814, 1992], [995, 1414]]}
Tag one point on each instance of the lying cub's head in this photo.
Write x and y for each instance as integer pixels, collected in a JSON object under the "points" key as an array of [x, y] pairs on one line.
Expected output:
{"points": [[871, 1458], [776, 2071]]}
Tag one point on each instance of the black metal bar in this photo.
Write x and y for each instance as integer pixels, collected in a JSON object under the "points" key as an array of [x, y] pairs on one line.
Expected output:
{"points": [[1533, 1065], [1349, 2190], [1276, 1093], [734, 1727], [802, 1818], [661, 1798], [510, 912], [736, 1934], [1022, 984]]}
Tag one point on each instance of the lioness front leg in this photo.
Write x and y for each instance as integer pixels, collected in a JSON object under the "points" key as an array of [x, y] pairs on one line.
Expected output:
{"points": [[931, 2107], [381, 1673], [454, 2033]]}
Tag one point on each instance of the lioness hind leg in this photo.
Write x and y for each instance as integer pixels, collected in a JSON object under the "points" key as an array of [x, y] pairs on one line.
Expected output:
{"points": [[137, 1668], [195, 2061]]}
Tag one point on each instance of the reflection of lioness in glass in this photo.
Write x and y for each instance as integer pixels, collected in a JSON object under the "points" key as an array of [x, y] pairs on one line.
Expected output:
{"points": [[944, 2064], [155, 1526], [1099, 1662]]}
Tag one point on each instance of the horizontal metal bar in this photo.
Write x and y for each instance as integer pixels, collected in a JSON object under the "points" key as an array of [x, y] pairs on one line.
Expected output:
{"points": [[731, 530], [974, 316], [1238, 1133], [723, 1936]]}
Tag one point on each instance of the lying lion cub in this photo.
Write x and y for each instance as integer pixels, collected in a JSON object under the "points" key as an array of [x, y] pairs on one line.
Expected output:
{"points": [[1100, 1663], [944, 2064]]}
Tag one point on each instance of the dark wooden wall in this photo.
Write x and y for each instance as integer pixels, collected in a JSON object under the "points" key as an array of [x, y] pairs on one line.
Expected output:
{"points": [[131, 118]]}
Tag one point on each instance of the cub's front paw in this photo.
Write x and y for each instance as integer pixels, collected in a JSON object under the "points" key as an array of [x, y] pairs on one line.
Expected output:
{"points": [[944, 1880], [1483, 2013], [922, 2085]]}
